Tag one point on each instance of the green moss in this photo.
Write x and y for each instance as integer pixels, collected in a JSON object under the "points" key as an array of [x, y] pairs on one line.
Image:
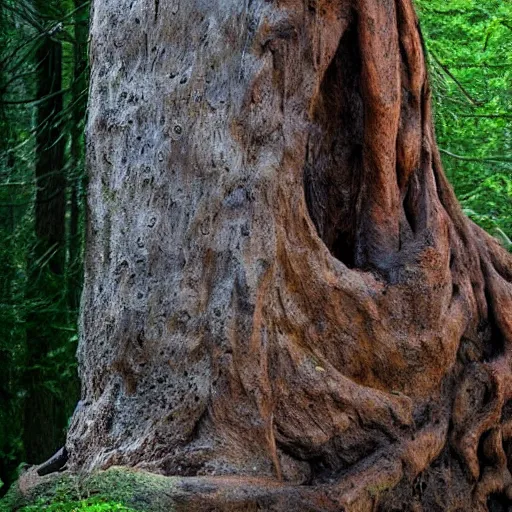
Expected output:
{"points": [[89, 505], [117, 489], [139, 489]]}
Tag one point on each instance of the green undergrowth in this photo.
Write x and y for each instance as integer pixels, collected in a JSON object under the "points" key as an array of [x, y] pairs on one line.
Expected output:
{"points": [[117, 489], [89, 505]]}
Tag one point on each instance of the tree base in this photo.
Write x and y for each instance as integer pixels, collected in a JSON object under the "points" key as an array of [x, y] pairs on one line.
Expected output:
{"points": [[279, 281], [149, 492]]}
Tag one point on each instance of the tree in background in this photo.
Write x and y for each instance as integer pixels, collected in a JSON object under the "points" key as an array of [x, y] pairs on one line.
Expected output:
{"points": [[43, 94], [43, 413]]}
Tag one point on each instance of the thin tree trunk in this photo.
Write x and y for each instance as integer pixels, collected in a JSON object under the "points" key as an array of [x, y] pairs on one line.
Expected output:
{"points": [[50, 202], [44, 418], [279, 280]]}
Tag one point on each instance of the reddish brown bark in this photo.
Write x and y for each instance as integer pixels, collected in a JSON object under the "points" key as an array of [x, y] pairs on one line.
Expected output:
{"points": [[280, 282]]}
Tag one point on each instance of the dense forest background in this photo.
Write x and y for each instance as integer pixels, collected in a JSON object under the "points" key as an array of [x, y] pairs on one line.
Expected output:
{"points": [[43, 95]]}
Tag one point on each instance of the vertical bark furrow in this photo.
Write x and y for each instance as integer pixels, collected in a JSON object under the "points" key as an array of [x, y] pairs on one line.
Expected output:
{"points": [[377, 236], [334, 150]]}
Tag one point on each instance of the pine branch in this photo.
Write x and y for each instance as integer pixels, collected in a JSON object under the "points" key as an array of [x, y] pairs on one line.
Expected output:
{"points": [[493, 159]]}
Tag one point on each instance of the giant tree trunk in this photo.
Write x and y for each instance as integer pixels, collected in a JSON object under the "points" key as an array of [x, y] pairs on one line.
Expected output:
{"points": [[279, 280], [79, 90]]}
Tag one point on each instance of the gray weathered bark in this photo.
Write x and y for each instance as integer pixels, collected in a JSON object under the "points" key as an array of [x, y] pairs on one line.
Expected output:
{"points": [[279, 281]]}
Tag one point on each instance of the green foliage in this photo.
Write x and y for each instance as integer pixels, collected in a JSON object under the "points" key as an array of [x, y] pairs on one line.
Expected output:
{"points": [[470, 55]]}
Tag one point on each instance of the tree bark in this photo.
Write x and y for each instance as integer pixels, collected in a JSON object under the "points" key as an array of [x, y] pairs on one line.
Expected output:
{"points": [[76, 183], [279, 281]]}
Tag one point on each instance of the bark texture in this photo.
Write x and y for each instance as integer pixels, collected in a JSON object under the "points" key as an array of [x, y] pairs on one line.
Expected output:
{"points": [[280, 284]]}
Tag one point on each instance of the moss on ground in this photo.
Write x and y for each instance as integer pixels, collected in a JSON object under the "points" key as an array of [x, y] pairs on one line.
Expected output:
{"points": [[117, 489]]}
